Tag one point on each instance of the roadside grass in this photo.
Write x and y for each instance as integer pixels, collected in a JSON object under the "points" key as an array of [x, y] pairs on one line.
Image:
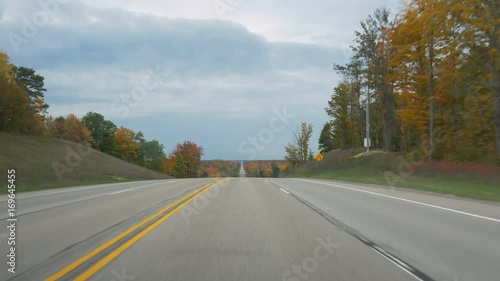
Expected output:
{"points": [[38, 161], [464, 180]]}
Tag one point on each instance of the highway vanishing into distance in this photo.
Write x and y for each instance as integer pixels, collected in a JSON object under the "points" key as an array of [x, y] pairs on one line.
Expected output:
{"points": [[251, 229]]}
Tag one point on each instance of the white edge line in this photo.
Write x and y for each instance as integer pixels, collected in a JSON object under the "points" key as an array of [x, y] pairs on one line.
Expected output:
{"points": [[398, 265], [406, 200], [121, 191], [284, 191], [81, 189]]}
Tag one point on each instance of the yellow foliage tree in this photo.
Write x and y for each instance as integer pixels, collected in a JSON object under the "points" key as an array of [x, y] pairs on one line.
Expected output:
{"points": [[74, 130], [125, 146]]}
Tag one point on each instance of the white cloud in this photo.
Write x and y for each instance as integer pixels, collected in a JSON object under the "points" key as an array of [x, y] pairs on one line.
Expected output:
{"points": [[221, 78]]}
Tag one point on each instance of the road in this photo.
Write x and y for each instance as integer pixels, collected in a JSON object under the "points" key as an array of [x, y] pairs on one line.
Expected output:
{"points": [[251, 229]]}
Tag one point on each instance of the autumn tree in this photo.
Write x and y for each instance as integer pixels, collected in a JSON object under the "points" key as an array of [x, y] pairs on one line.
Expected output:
{"points": [[252, 169], [125, 146], [74, 130], [443, 77], [34, 86], [187, 154], [298, 151], [265, 168], [58, 127], [431, 77], [14, 114], [483, 21], [169, 165], [212, 172]]}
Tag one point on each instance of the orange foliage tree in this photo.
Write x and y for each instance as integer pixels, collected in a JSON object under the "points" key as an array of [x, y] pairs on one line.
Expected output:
{"points": [[184, 161]]}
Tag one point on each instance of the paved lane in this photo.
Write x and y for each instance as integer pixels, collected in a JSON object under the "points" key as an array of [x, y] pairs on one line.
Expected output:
{"points": [[448, 238], [54, 220], [249, 230], [253, 229]]}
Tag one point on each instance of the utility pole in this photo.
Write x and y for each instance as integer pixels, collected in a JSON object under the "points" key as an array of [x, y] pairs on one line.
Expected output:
{"points": [[368, 142]]}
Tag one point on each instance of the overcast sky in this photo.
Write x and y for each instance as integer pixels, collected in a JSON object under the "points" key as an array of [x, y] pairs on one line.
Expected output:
{"points": [[235, 76]]}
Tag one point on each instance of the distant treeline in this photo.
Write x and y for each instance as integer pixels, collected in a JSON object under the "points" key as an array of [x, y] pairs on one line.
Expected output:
{"points": [[266, 168], [255, 168]]}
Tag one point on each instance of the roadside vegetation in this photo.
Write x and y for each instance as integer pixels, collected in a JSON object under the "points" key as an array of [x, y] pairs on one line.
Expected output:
{"points": [[469, 180], [47, 162], [423, 86]]}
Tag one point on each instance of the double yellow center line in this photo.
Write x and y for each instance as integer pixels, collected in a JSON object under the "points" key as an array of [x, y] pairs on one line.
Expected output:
{"points": [[103, 262]]}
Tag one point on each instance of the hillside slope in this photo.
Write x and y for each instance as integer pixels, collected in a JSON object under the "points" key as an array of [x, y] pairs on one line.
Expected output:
{"points": [[46, 162]]}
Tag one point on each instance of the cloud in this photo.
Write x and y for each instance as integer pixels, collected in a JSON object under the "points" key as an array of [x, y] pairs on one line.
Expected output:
{"points": [[223, 75]]}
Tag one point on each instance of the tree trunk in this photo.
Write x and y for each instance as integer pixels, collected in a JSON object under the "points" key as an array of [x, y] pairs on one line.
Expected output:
{"points": [[389, 118]]}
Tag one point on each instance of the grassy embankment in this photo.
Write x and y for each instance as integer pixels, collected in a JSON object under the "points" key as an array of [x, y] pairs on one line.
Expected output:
{"points": [[39, 160], [477, 181]]}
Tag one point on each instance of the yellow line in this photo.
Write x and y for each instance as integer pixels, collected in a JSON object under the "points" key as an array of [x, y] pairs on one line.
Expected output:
{"points": [[91, 271], [106, 245]]}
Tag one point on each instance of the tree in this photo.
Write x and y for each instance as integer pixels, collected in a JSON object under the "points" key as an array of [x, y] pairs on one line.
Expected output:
{"points": [[58, 127], [368, 94], [422, 41], [432, 77], [5, 67], [374, 50], [152, 154], [169, 165], [125, 146], [191, 157], [181, 169], [326, 138], [33, 84], [276, 171], [298, 151], [140, 139], [102, 131], [74, 130], [14, 115], [483, 18], [344, 122]]}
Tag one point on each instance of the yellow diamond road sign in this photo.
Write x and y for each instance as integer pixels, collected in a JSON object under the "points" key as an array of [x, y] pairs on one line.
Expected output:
{"points": [[319, 157]]}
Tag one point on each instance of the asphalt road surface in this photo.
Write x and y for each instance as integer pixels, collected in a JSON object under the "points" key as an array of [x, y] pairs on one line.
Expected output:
{"points": [[250, 229]]}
